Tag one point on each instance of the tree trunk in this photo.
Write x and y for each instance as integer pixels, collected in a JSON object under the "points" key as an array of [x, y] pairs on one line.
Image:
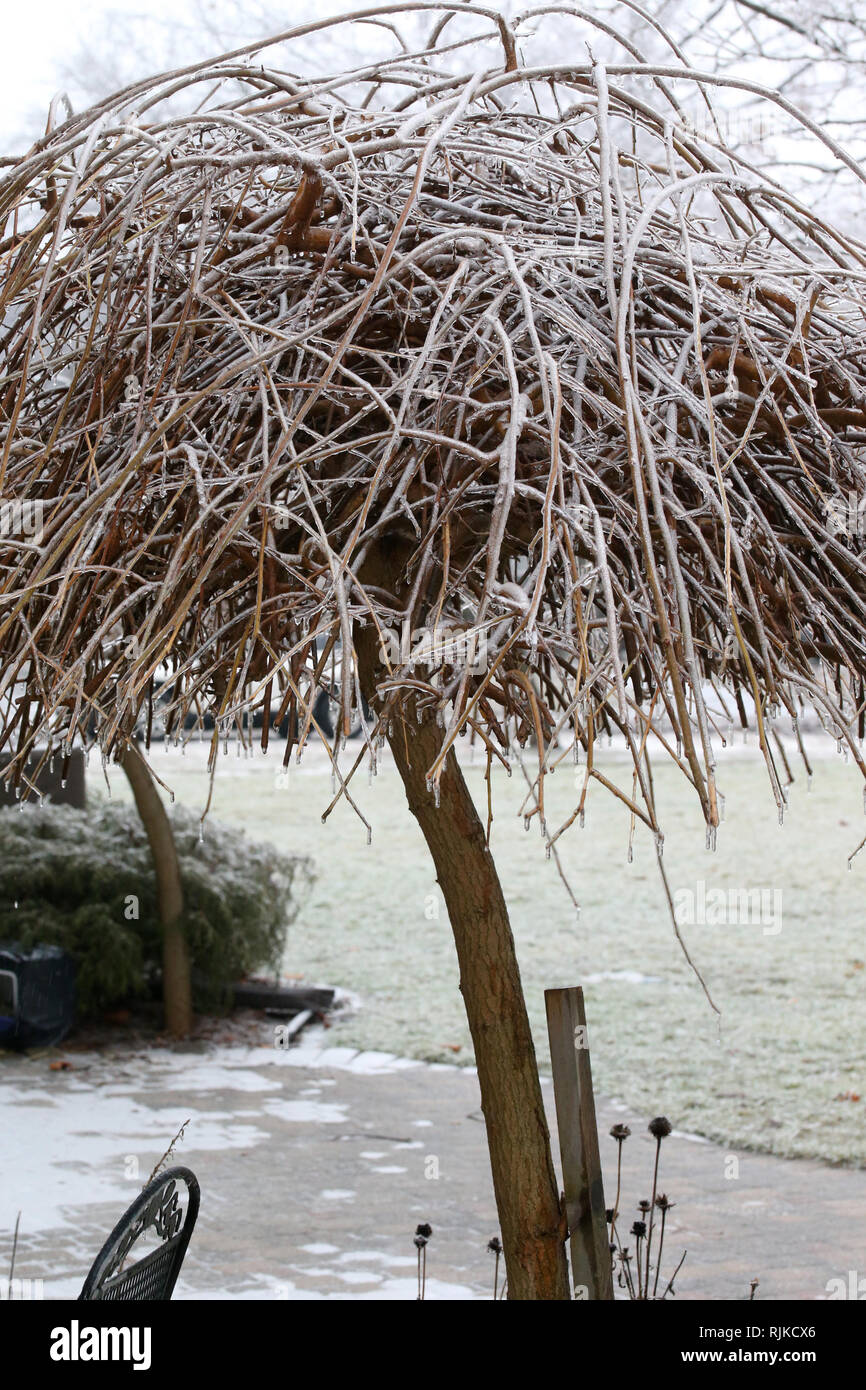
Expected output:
{"points": [[176, 986], [524, 1180]]}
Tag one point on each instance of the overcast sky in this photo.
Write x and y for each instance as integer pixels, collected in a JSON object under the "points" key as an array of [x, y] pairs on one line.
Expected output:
{"points": [[34, 38], [37, 37], [42, 38]]}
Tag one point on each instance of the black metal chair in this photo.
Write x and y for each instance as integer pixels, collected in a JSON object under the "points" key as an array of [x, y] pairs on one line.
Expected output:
{"points": [[153, 1277]]}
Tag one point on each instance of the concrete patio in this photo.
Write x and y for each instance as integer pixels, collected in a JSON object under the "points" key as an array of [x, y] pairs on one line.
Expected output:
{"points": [[316, 1164]]}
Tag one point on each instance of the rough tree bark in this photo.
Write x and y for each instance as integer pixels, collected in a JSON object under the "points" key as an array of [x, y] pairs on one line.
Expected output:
{"points": [[524, 1179], [176, 985]]}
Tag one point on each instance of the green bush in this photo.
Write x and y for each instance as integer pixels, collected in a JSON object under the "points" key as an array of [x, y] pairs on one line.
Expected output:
{"points": [[71, 878]]}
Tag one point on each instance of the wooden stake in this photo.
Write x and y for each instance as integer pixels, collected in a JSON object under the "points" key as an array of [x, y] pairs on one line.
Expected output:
{"points": [[591, 1269]]}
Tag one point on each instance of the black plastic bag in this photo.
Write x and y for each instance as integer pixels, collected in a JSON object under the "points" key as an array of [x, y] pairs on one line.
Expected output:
{"points": [[37, 996]]}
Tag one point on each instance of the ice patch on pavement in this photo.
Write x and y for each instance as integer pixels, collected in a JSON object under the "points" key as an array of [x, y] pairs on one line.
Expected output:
{"points": [[53, 1159], [305, 1111]]}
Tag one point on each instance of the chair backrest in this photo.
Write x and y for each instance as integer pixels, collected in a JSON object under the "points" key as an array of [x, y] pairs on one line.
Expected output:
{"points": [[153, 1277]]}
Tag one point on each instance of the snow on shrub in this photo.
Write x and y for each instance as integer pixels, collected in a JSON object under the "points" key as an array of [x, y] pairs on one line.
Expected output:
{"points": [[84, 880]]}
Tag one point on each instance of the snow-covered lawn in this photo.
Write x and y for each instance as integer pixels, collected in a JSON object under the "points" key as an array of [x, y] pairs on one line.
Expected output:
{"points": [[792, 1036]]}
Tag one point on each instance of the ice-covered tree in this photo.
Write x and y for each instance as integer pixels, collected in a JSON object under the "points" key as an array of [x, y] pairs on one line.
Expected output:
{"points": [[455, 342]]}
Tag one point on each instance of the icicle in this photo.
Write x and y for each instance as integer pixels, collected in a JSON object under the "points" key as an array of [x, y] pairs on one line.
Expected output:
{"points": [[547, 849], [171, 797], [660, 843], [630, 856], [369, 835], [711, 837], [781, 815], [527, 821], [436, 795], [200, 833], [64, 782], [581, 820], [679, 747]]}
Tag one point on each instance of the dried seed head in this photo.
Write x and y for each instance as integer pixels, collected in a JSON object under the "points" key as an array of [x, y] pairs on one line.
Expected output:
{"points": [[424, 1230], [638, 1229], [620, 1132], [495, 1245], [660, 1127]]}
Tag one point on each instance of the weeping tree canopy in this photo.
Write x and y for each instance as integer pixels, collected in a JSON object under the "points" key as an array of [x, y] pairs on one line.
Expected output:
{"points": [[446, 341]]}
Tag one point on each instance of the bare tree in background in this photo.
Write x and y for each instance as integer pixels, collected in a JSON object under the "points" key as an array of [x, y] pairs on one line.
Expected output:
{"points": [[811, 52]]}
